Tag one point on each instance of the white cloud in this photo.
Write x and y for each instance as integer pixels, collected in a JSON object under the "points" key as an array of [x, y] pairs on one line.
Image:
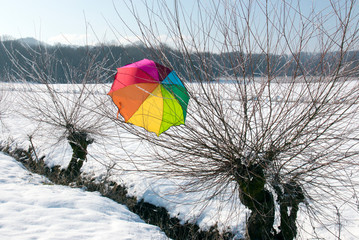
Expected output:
{"points": [[72, 39]]}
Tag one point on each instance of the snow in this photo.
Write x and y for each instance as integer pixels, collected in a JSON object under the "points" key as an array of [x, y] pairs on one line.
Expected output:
{"points": [[31, 207]]}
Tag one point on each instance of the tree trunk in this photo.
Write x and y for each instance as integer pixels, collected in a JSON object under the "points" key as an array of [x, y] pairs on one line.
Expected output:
{"points": [[260, 201], [289, 199], [251, 180], [78, 141]]}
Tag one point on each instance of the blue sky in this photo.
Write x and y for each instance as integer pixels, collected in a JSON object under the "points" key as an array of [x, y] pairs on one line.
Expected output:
{"points": [[61, 21], [79, 22], [65, 21]]}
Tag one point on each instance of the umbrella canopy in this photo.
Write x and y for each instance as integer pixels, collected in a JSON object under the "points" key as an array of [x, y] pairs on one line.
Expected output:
{"points": [[150, 95]]}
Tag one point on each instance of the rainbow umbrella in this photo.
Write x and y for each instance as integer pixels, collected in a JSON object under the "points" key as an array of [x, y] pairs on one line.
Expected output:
{"points": [[150, 95]]}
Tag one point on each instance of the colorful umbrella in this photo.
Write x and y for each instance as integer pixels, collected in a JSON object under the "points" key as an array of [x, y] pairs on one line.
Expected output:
{"points": [[150, 95]]}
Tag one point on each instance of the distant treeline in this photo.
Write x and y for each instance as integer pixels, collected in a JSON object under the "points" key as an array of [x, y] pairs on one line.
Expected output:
{"points": [[207, 66]]}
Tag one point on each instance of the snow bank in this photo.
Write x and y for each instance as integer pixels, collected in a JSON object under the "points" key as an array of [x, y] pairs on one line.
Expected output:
{"points": [[32, 208]]}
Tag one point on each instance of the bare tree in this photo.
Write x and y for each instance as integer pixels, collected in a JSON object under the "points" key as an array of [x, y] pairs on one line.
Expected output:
{"points": [[66, 110], [4, 109], [273, 109]]}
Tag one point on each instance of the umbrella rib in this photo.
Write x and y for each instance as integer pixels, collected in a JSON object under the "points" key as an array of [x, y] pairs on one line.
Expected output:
{"points": [[151, 93]]}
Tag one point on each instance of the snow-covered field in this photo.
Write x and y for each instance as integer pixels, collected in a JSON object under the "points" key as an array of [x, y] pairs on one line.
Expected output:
{"points": [[41, 210], [31, 207]]}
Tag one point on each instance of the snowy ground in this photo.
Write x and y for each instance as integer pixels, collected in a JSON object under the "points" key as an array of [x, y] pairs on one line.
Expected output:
{"points": [[33, 208], [25, 198]]}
